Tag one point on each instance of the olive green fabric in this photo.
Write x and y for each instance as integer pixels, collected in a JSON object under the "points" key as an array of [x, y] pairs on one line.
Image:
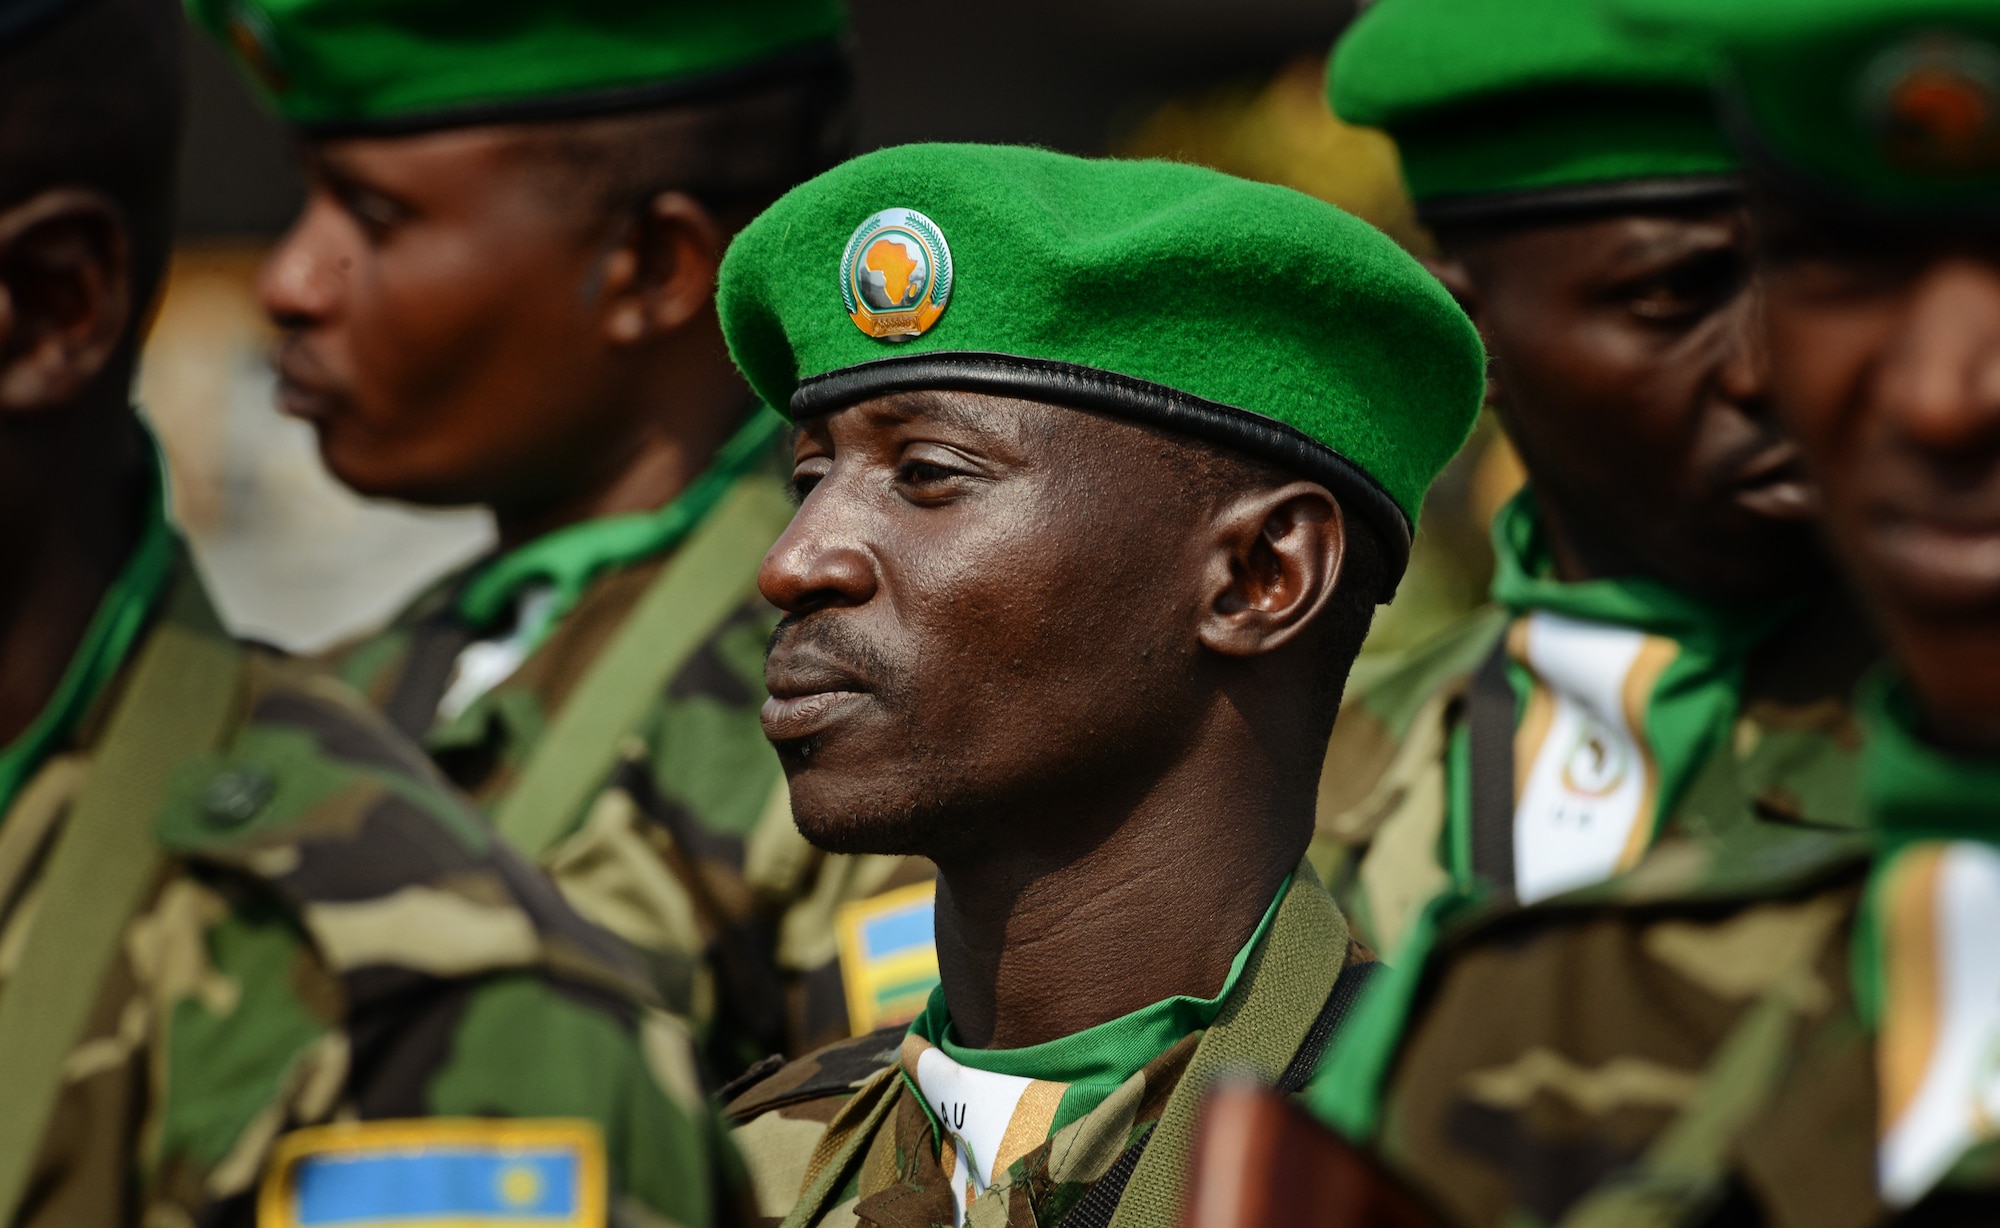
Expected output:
{"points": [[361, 63], [1751, 729], [1714, 1025], [1278, 311], [1493, 98], [1894, 104], [328, 935]]}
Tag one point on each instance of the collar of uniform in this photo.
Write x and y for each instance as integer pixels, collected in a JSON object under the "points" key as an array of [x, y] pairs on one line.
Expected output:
{"points": [[1914, 791], [1524, 581], [1096, 1061], [121, 614], [570, 558]]}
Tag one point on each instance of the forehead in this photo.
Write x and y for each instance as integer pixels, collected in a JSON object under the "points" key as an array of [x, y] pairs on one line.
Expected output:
{"points": [[972, 414]]}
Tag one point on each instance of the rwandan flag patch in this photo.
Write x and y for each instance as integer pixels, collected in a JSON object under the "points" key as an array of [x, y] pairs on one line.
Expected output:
{"points": [[437, 1173], [888, 956]]}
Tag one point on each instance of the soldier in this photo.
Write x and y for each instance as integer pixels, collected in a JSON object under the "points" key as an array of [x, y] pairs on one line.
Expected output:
{"points": [[1664, 649], [1098, 497], [242, 925], [1802, 1038], [499, 292]]}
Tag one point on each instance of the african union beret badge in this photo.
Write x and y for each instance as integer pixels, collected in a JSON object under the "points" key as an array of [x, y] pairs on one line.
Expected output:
{"points": [[1935, 104], [895, 277]]}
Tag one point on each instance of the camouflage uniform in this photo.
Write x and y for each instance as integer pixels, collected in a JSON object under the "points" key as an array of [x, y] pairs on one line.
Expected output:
{"points": [[1393, 813], [688, 851], [844, 1135], [1722, 1036], [329, 937]]}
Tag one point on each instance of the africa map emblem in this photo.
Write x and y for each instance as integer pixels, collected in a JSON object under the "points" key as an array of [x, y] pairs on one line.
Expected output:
{"points": [[895, 277], [1935, 104]]}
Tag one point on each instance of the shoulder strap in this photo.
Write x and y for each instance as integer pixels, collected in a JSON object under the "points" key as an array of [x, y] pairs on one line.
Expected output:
{"points": [[705, 582], [1100, 1202], [177, 706], [1259, 1031], [1489, 720]]}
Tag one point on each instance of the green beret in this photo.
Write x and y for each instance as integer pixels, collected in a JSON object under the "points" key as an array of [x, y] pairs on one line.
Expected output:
{"points": [[1891, 104], [1505, 105], [339, 66], [1247, 315]]}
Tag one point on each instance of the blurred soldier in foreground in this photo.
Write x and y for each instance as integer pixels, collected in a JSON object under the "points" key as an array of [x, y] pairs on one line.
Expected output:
{"points": [[500, 292], [1664, 651], [1798, 1034], [234, 907], [1098, 498]]}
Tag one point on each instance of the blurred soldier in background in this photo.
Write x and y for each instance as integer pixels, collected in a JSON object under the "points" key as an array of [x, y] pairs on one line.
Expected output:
{"points": [[1742, 1032], [1098, 500], [500, 292], [1664, 649], [234, 907]]}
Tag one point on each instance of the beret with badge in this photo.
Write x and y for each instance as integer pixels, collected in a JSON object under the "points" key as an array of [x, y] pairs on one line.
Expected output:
{"points": [[1887, 106], [338, 67], [1246, 315], [1510, 107]]}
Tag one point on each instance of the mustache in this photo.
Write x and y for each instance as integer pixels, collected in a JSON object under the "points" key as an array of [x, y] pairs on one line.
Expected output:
{"points": [[819, 635]]}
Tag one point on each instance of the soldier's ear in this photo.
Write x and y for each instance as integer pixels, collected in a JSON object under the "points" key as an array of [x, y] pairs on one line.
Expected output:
{"points": [[65, 296], [1278, 559], [662, 274]]}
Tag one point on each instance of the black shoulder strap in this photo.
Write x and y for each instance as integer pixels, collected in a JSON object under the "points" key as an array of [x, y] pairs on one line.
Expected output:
{"points": [[1489, 720], [1100, 1202], [435, 643]]}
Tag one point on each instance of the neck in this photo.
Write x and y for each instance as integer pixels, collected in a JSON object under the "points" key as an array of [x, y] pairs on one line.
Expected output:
{"points": [[1107, 907], [692, 401], [72, 485]]}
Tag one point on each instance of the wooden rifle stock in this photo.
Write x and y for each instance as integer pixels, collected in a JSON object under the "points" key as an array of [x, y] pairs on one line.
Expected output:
{"points": [[1262, 1162]]}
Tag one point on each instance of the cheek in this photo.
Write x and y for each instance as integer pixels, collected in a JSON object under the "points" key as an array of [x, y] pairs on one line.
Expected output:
{"points": [[1820, 358], [443, 328]]}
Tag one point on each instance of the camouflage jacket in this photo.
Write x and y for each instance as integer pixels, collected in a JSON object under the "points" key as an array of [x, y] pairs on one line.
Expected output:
{"points": [[688, 853], [332, 938], [844, 1137], [1385, 841]]}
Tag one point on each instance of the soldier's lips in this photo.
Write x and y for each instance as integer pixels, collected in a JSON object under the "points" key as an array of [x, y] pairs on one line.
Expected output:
{"points": [[789, 718]]}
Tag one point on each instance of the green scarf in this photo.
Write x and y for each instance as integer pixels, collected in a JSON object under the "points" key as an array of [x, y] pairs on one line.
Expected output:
{"points": [[1916, 797], [1692, 704], [1923, 963], [121, 615], [1097, 1061], [568, 559]]}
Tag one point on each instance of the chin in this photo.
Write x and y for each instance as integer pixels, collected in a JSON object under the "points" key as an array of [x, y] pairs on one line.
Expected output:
{"points": [[373, 476], [864, 817]]}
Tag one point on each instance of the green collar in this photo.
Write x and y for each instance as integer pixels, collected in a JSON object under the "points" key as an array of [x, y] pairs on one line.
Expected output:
{"points": [[570, 558], [1524, 581], [121, 615], [1096, 1061], [1913, 791]]}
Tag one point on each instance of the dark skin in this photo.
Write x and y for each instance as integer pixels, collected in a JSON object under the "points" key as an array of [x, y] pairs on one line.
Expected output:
{"points": [[1627, 370], [1019, 642], [72, 461], [459, 330], [1885, 350]]}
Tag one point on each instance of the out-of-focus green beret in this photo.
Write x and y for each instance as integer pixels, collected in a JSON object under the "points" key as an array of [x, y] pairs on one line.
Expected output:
{"points": [[1247, 315], [1499, 105], [1891, 104], [407, 65]]}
